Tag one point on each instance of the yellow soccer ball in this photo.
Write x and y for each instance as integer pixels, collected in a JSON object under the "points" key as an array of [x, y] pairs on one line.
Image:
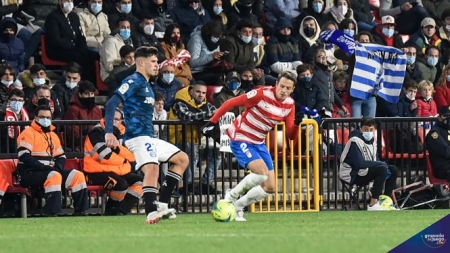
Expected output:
{"points": [[385, 202], [223, 211]]}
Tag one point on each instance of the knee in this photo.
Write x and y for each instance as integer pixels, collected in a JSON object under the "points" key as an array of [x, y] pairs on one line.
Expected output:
{"points": [[55, 178], [269, 187], [393, 170], [181, 159], [121, 185]]}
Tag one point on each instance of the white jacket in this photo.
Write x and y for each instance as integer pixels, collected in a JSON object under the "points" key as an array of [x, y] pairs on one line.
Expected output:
{"points": [[109, 54], [95, 28]]}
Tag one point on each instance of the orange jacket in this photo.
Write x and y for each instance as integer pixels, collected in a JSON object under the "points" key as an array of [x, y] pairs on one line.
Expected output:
{"points": [[99, 158]]}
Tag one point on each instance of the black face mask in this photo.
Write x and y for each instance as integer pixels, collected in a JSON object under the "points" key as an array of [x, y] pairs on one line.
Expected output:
{"points": [[88, 102], [246, 83], [7, 37], [282, 37], [308, 31]]}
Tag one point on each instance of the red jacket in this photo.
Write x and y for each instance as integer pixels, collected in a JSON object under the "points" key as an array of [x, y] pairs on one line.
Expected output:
{"points": [[442, 95], [426, 109], [76, 111]]}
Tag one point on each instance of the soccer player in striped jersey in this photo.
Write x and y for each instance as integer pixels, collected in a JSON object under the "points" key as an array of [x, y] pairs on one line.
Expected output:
{"points": [[264, 108]]}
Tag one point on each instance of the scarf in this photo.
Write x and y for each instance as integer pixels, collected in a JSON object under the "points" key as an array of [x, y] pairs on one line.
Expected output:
{"points": [[209, 44], [12, 116]]}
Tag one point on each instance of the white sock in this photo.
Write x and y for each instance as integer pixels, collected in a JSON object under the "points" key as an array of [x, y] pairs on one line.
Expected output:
{"points": [[247, 183], [254, 195]]}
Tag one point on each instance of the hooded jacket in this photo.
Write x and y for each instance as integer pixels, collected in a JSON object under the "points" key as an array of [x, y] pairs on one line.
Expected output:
{"points": [[12, 49]]}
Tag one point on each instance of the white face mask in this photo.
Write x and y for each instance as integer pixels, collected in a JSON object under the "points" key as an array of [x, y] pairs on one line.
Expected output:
{"points": [[71, 85], [39, 81], [367, 135], [447, 27], [148, 29], [410, 96], [342, 9], [7, 83], [68, 7]]}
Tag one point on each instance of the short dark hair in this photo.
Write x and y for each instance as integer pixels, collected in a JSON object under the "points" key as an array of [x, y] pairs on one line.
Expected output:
{"points": [[145, 52], [145, 15], [4, 68], [73, 67], [368, 121], [43, 107], [304, 67], [410, 83], [431, 47], [125, 50], [213, 27], [122, 18], [16, 92], [36, 68], [85, 86], [243, 23], [368, 34], [159, 97]]}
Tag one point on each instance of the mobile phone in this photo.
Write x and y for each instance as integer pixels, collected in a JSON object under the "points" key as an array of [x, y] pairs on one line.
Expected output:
{"points": [[225, 52]]}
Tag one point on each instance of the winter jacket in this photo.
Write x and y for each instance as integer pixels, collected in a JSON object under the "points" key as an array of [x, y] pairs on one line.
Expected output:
{"points": [[320, 17], [183, 72], [361, 11], [426, 108], [404, 105], [223, 95], [167, 90], [115, 15], [282, 55], [413, 72], [379, 38], [241, 54], [64, 94], [442, 95], [234, 15], [95, 27], [280, 8], [200, 55], [435, 9], [188, 19], [141, 39], [422, 42], [324, 81], [109, 54], [309, 95], [304, 42], [426, 71], [12, 50]]}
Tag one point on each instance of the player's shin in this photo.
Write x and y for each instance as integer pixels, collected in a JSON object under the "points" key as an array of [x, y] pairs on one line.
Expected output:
{"points": [[149, 184], [254, 195], [247, 183], [168, 185]]}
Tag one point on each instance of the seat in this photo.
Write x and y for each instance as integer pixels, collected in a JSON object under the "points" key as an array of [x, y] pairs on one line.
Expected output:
{"points": [[44, 57], [101, 86], [433, 179], [99, 190], [8, 166], [353, 192], [210, 91]]}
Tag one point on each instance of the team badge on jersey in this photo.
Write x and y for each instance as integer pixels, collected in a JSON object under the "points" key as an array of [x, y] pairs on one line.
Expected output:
{"points": [[123, 88], [251, 93]]}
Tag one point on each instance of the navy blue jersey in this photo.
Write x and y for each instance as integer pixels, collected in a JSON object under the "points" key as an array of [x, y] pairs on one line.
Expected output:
{"points": [[138, 105]]}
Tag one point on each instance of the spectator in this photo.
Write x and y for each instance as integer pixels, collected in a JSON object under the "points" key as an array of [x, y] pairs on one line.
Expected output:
{"points": [[427, 67], [173, 45], [127, 62], [103, 165], [191, 105], [444, 30], [158, 9], [260, 57], [315, 9], [67, 86], [442, 94], [360, 164], [364, 37], [216, 12], [41, 164], [363, 16], [408, 15], [282, 48], [309, 33], [94, 24], [122, 10], [436, 8], [12, 111], [426, 37], [159, 113], [82, 107], [230, 90], [144, 35], [384, 33], [7, 79], [288, 9], [205, 53], [341, 86], [110, 50], [349, 27], [167, 85], [340, 11], [412, 72], [43, 92], [407, 104], [247, 83], [12, 50], [188, 15], [241, 9], [426, 107]]}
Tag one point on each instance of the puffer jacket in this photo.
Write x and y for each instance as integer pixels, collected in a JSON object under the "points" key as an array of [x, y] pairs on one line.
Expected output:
{"points": [[109, 54], [95, 27]]}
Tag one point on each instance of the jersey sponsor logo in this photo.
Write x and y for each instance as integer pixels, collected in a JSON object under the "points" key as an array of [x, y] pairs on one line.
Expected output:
{"points": [[245, 149], [149, 100], [251, 94], [123, 88], [146, 90]]}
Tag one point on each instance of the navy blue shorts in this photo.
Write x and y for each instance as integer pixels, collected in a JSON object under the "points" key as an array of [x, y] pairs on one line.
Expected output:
{"points": [[247, 152]]}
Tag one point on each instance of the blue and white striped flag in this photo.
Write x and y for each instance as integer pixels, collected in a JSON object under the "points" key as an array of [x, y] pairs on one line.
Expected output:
{"points": [[378, 69]]}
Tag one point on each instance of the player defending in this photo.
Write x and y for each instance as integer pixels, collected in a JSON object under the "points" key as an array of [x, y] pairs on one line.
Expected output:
{"points": [[138, 100], [264, 108]]}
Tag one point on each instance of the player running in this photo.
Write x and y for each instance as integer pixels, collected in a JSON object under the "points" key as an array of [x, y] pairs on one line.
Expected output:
{"points": [[138, 100], [264, 108]]}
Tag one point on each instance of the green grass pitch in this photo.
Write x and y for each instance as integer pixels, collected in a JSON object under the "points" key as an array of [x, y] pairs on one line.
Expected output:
{"points": [[329, 231]]}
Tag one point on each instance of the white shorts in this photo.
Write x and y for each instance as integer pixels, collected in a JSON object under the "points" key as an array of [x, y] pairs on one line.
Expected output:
{"points": [[150, 150]]}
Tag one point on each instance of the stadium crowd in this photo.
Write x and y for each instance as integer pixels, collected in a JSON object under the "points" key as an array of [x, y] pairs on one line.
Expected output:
{"points": [[237, 44]]}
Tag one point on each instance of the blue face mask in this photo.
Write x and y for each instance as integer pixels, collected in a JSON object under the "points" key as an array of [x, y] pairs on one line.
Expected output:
{"points": [[349, 32], [317, 7], [388, 32], [45, 122], [168, 77], [16, 106], [96, 8], [233, 85], [432, 61], [246, 39], [367, 135], [306, 79], [125, 33], [410, 59], [217, 10], [125, 8], [256, 41]]}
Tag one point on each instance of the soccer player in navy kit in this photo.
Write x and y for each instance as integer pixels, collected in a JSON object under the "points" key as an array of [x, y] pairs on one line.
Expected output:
{"points": [[138, 100]]}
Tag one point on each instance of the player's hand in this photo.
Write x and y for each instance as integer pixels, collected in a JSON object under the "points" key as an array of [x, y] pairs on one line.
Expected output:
{"points": [[111, 140], [207, 129]]}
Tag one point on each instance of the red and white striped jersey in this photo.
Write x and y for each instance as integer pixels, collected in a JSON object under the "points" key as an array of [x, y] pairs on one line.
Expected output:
{"points": [[262, 112]]}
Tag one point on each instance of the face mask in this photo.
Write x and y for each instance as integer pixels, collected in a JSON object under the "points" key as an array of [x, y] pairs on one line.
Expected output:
{"points": [[71, 85], [410, 96], [447, 27], [217, 10], [39, 81], [68, 7], [45, 122], [148, 29], [432, 61], [7, 83], [342, 9], [317, 7], [125, 33], [349, 32], [256, 41], [410, 59], [246, 39], [175, 39], [16, 106], [214, 39], [308, 31], [168, 77], [306, 79], [345, 67], [246, 83], [367, 135], [96, 8], [448, 78], [125, 8], [87, 102], [388, 32], [233, 85]]}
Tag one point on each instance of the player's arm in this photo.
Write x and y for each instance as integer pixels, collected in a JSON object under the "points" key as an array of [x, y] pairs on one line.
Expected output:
{"points": [[291, 128], [248, 100], [110, 110]]}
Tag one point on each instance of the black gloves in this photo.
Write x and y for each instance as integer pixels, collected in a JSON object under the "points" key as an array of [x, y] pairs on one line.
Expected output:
{"points": [[208, 129]]}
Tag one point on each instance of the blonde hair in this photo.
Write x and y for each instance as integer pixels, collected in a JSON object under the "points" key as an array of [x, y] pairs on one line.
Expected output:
{"points": [[443, 78], [425, 84]]}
